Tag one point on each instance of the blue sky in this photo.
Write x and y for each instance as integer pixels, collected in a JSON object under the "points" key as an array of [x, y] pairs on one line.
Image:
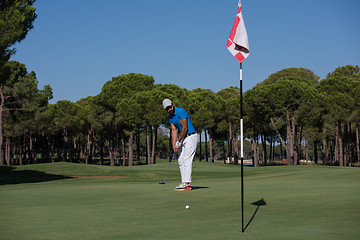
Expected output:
{"points": [[76, 46]]}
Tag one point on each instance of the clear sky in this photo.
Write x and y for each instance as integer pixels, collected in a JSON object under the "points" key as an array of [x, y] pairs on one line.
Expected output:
{"points": [[76, 46]]}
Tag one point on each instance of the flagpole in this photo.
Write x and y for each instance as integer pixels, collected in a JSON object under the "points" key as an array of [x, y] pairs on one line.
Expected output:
{"points": [[238, 45], [241, 150]]}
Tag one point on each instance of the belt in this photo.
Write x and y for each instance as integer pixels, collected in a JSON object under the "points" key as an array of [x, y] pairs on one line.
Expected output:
{"points": [[190, 134]]}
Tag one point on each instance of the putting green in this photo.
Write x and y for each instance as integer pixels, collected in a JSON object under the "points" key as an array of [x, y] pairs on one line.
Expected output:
{"points": [[286, 202]]}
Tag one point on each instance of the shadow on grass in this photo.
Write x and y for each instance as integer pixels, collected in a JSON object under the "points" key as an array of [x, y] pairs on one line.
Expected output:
{"points": [[9, 175], [259, 203], [196, 188]]}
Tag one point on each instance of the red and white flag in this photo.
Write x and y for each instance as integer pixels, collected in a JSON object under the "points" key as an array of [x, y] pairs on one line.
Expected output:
{"points": [[238, 43]]}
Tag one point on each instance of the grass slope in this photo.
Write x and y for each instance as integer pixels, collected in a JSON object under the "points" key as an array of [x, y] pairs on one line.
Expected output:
{"points": [[286, 202]]}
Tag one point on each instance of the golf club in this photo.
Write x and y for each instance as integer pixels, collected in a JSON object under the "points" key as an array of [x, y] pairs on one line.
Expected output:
{"points": [[163, 182]]}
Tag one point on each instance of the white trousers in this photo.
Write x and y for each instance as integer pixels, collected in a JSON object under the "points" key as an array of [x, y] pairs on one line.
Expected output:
{"points": [[186, 156]]}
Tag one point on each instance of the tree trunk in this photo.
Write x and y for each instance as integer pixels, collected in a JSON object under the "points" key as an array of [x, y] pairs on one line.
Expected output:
{"points": [[316, 158], [52, 151], [32, 153], [301, 147], [324, 150], [307, 151], [74, 150], [230, 142], [211, 146], [282, 154], [257, 149], [357, 143], [148, 153], [154, 140], [340, 146], [7, 151], [206, 147], [45, 151], [131, 157], [2, 99], [89, 146], [200, 146], [297, 137], [347, 150], [264, 152], [253, 151], [236, 148], [112, 158], [290, 144], [224, 152], [110, 146], [21, 155], [271, 148], [253, 146], [117, 149], [65, 144], [336, 150], [123, 152], [15, 155], [101, 150], [138, 150]]}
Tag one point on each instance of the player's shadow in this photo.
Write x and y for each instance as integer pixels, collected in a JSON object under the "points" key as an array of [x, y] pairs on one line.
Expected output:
{"points": [[258, 204]]}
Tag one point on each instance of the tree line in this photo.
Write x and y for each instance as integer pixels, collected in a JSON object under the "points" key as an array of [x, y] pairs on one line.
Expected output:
{"points": [[291, 110], [290, 116], [306, 115]]}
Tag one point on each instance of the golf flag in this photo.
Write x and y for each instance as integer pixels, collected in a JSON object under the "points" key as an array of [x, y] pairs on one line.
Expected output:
{"points": [[238, 43], [238, 46]]}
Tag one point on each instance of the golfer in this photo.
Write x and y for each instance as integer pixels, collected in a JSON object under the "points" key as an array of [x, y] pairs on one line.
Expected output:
{"points": [[184, 139]]}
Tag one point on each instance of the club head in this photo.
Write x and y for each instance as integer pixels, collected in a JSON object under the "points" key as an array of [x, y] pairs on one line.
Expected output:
{"points": [[162, 182]]}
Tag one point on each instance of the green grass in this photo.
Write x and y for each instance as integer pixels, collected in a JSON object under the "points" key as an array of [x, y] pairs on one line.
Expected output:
{"points": [[302, 202]]}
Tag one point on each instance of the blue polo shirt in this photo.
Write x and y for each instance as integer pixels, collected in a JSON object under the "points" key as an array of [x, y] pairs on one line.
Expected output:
{"points": [[178, 115]]}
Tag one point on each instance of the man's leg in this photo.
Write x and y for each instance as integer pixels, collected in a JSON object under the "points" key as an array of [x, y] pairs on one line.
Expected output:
{"points": [[186, 157]]}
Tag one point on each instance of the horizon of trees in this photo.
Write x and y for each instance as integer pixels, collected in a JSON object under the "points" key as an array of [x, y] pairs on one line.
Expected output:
{"points": [[291, 114]]}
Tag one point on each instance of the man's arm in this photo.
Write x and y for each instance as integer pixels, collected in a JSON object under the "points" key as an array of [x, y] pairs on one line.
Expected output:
{"points": [[182, 135], [173, 137], [184, 129]]}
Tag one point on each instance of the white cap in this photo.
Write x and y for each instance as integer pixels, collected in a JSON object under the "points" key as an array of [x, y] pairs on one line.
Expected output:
{"points": [[167, 103]]}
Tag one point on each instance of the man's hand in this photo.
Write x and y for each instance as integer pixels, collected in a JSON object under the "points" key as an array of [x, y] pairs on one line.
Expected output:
{"points": [[176, 146]]}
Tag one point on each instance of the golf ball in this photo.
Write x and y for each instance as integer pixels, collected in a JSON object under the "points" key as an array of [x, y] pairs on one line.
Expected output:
{"points": [[187, 206]]}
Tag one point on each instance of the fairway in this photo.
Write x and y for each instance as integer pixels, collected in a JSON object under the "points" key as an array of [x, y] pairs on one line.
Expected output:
{"points": [[46, 201]]}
